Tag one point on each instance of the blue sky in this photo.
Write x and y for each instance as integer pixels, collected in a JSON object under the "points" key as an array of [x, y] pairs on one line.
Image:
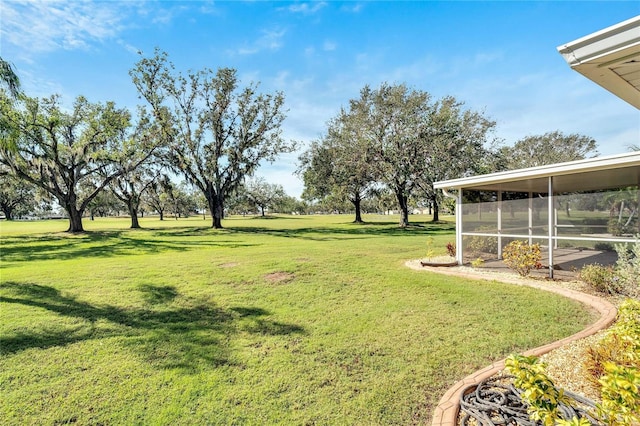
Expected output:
{"points": [[497, 57]]}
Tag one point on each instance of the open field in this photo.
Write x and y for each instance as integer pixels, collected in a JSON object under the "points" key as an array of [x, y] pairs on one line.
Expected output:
{"points": [[289, 320]]}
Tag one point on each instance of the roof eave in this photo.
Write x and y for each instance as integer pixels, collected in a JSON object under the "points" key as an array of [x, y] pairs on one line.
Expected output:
{"points": [[580, 166]]}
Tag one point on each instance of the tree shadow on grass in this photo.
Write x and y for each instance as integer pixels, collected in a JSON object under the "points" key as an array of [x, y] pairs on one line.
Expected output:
{"points": [[188, 337], [106, 244], [350, 231]]}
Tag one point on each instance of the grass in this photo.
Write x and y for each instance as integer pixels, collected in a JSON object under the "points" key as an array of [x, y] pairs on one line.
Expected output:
{"points": [[288, 320]]}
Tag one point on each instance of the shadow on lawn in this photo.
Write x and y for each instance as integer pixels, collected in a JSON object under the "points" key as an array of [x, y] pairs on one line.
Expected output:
{"points": [[350, 231], [187, 337], [108, 243], [157, 240]]}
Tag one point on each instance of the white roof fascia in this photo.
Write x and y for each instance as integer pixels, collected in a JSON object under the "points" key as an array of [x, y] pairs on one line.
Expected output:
{"points": [[602, 43], [600, 56], [580, 166]]}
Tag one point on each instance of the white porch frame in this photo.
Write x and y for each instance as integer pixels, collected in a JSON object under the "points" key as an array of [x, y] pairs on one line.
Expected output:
{"points": [[598, 173]]}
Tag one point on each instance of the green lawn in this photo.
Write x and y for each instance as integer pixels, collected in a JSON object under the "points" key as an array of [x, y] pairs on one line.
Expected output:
{"points": [[290, 320]]}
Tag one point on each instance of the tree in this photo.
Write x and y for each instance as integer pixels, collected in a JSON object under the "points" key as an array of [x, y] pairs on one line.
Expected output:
{"points": [[549, 148], [138, 172], [238, 202], [104, 204], [61, 151], [179, 202], [16, 197], [341, 163], [453, 146], [263, 194], [157, 196], [392, 118], [219, 133], [130, 187], [416, 141], [9, 78]]}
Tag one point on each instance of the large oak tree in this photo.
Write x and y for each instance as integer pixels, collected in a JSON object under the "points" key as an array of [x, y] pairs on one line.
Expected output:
{"points": [[219, 132], [340, 164], [70, 155], [410, 140], [262, 194], [16, 197], [548, 148]]}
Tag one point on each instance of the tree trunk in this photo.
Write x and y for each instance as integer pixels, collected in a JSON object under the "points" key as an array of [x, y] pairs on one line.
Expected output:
{"points": [[8, 212], [436, 209], [134, 217], [75, 219], [262, 210], [161, 212], [216, 209], [404, 209], [356, 203]]}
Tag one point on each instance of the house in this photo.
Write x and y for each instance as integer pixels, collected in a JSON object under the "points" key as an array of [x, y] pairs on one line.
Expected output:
{"points": [[585, 205]]}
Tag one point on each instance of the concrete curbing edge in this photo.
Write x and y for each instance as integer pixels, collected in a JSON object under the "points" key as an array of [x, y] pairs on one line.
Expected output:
{"points": [[447, 410]]}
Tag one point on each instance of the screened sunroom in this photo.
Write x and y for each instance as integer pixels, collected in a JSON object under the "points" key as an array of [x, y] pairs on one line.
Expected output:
{"points": [[584, 207], [576, 210]]}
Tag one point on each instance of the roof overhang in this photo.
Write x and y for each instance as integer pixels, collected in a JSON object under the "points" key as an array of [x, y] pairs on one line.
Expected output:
{"points": [[610, 58], [599, 173]]}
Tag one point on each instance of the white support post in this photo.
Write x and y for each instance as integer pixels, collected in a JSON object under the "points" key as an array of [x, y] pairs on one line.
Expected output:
{"points": [[551, 223], [499, 224], [555, 224], [459, 255], [530, 218]]}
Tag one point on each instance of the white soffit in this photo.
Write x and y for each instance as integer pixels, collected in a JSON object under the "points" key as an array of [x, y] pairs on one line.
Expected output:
{"points": [[610, 58], [614, 171]]}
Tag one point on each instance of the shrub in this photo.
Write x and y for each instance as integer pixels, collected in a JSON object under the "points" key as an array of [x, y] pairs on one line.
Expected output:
{"points": [[620, 396], [628, 269], [430, 251], [601, 278], [477, 263], [542, 397], [614, 364], [616, 370], [616, 227], [451, 249], [603, 247], [621, 343], [522, 257], [619, 389], [480, 244]]}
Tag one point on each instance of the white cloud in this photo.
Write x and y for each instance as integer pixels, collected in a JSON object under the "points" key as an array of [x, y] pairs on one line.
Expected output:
{"points": [[269, 40], [128, 47], [39, 26], [329, 46], [307, 8], [352, 7]]}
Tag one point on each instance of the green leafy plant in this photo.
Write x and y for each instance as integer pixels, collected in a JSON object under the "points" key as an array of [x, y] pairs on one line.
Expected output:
{"points": [[628, 268], [539, 392], [601, 278], [522, 257], [620, 383], [616, 228], [482, 244], [477, 263], [619, 389], [620, 345], [620, 395], [603, 246], [430, 251]]}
